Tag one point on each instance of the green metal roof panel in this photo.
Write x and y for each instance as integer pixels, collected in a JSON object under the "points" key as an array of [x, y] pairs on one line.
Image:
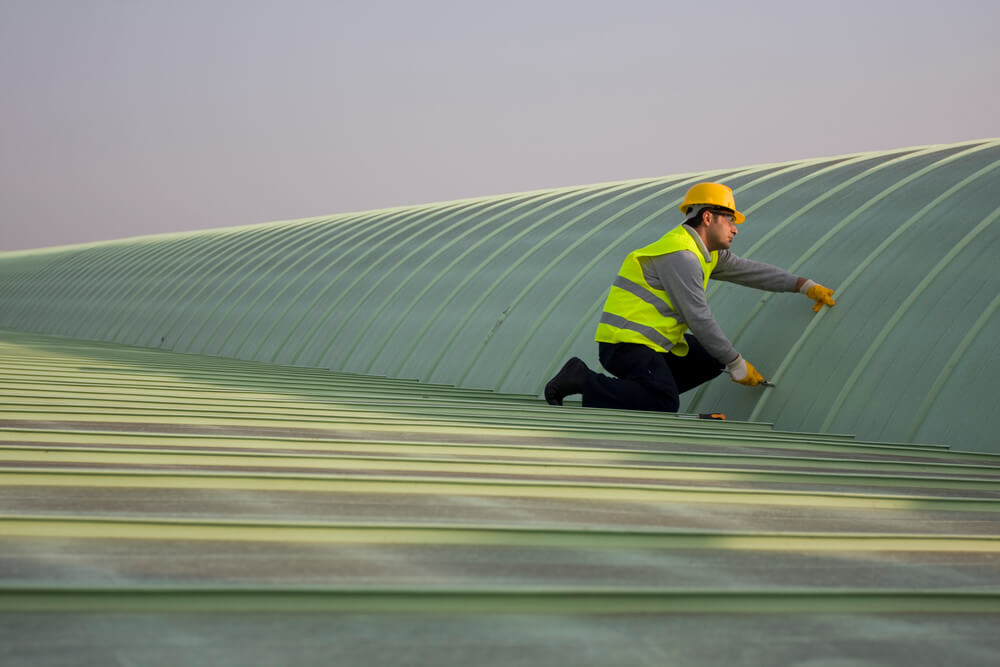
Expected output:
{"points": [[496, 292], [151, 500]]}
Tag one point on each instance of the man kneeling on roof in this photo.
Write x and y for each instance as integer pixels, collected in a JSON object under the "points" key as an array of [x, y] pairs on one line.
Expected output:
{"points": [[657, 297]]}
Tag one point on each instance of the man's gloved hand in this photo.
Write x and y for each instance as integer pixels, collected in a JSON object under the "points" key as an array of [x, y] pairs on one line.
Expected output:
{"points": [[742, 371], [823, 296]]}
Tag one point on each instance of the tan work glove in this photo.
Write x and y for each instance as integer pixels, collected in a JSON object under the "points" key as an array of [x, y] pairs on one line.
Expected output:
{"points": [[743, 372], [823, 296]]}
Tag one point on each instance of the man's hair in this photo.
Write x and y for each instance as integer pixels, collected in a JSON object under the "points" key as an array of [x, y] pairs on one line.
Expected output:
{"points": [[695, 221]]}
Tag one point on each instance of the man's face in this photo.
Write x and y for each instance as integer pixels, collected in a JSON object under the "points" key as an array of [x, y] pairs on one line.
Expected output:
{"points": [[721, 231]]}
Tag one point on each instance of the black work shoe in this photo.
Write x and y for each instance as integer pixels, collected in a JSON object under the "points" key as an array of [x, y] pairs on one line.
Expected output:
{"points": [[569, 380]]}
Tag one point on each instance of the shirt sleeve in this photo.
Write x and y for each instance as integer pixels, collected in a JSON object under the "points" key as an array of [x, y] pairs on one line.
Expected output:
{"points": [[749, 273], [680, 275]]}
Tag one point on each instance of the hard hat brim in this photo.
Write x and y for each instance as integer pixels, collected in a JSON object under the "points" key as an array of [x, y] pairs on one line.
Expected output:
{"points": [[738, 217]]}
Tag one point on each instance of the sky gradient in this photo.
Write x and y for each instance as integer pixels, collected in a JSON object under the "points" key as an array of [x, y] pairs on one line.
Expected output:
{"points": [[132, 117]]}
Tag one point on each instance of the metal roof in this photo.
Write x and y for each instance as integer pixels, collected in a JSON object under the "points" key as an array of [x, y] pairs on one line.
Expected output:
{"points": [[167, 508], [495, 292]]}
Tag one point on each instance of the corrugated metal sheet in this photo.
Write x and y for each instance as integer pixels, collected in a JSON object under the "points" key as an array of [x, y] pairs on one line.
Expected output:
{"points": [[495, 293], [165, 508]]}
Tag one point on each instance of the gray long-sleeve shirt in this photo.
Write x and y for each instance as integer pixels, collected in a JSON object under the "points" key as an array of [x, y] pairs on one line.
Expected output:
{"points": [[680, 275]]}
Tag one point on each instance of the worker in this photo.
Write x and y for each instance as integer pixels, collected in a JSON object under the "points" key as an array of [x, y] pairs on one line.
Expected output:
{"points": [[658, 297]]}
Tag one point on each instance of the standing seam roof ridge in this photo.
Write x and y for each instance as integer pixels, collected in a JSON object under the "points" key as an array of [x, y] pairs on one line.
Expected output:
{"points": [[130, 256], [787, 222], [15, 280], [911, 298], [57, 289], [262, 339], [488, 210], [314, 254], [20, 285], [115, 323], [831, 454], [362, 332], [193, 290], [45, 284], [339, 245], [950, 365], [71, 259], [113, 281], [832, 164], [592, 194], [22, 271], [836, 229], [357, 226], [828, 194], [140, 260], [469, 229], [285, 342], [293, 238], [847, 451], [182, 279], [455, 289], [373, 285], [242, 250], [421, 463], [175, 267], [609, 200], [402, 224], [916, 217], [358, 279], [245, 293], [296, 239], [110, 325]]}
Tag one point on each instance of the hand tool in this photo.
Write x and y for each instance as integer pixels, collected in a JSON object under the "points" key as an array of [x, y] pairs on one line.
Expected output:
{"points": [[763, 383]]}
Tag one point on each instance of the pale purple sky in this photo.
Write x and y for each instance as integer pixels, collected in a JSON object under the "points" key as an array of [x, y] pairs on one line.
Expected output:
{"points": [[130, 117]]}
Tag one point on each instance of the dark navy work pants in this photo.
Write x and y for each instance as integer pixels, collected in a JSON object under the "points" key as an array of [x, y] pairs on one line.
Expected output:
{"points": [[646, 379]]}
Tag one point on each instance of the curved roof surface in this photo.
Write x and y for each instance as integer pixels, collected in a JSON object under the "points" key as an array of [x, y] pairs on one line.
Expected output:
{"points": [[496, 292], [164, 508]]}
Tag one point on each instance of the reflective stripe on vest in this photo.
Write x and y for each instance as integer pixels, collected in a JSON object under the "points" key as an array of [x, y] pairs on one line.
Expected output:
{"points": [[638, 312]]}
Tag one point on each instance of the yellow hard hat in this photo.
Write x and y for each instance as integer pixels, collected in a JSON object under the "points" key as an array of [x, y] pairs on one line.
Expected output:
{"points": [[711, 194]]}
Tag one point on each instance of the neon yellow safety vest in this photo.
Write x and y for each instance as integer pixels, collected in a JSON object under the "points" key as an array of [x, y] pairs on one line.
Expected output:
{"points": [[638, 312]]}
